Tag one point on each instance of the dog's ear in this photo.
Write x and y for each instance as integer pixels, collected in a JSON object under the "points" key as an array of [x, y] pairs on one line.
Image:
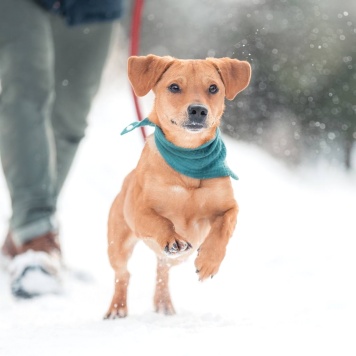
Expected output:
{"points": [[235, 74], [145, 71]]}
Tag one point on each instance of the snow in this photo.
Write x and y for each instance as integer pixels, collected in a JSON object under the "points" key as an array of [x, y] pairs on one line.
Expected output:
{"points": [[286, 286]]}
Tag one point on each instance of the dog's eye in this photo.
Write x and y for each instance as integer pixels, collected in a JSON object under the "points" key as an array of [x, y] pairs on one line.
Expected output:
{"points": [[174, 88], [213, 89]]}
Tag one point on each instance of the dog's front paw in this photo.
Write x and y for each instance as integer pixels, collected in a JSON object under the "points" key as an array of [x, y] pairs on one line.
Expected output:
{"points": [[116, 313], [208, 262], [164, 307], [176, 247]]}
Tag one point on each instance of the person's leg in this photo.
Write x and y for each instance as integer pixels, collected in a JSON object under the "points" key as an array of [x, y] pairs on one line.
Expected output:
{"points": [[80, 55], [26, 140]]}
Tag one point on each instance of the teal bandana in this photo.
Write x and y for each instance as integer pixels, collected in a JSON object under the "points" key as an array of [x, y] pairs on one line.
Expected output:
{"points": [[204, 162]]}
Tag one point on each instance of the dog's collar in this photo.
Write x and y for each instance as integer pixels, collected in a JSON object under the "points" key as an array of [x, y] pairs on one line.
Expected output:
{"points": [[204, 162]]}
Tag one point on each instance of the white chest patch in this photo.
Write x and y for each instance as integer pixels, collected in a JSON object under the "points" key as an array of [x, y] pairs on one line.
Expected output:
{"points": [[177, 189]]}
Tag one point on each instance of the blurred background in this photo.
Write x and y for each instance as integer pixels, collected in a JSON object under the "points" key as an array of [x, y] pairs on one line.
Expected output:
{"points": [[301, 103], [285, 287]]}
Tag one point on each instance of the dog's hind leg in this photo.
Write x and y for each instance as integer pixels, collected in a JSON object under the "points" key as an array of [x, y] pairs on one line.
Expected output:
{"points": [[162, 299], [121, 244], [119, 255]]}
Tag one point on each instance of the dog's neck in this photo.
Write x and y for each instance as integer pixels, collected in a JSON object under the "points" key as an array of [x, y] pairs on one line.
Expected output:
{"points": [[203, 162], [188, 140]]}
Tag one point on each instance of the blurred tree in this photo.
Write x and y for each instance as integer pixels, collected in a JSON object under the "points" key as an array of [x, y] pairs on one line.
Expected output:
{"points": [[301, 103], [303, 68]]}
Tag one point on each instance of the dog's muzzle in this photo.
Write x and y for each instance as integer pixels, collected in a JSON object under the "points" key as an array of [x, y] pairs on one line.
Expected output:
{"points": [[197, 115]]}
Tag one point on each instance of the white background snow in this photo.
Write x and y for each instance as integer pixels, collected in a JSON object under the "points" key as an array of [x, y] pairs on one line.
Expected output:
{"points": [[286, 286]]}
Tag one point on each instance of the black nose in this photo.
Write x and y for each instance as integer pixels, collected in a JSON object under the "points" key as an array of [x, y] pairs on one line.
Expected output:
{"points": [[197, 113]]}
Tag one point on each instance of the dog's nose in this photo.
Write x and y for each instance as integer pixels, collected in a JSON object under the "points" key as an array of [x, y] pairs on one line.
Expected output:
{"points": [[197, 113]]}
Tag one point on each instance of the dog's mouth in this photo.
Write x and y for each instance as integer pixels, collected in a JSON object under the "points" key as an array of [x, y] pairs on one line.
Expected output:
{"points": [[194, 126]]}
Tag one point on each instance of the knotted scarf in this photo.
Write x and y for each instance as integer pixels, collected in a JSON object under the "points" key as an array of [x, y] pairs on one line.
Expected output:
{"points": [[204, 162]]}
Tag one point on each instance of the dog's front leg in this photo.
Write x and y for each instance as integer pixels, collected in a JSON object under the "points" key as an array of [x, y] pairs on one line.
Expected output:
{"points": [[162, 299], [212, 251], [152, 227]]}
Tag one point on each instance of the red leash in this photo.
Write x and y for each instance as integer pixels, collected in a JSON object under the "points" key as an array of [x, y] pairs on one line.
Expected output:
{"points": [[134, 47]]}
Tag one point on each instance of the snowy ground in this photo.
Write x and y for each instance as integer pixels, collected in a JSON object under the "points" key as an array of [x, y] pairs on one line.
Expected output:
{"points": [[286, 286]]}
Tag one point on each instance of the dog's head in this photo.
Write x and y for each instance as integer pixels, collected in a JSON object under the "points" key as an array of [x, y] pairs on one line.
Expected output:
{"points": [[189, 94]]}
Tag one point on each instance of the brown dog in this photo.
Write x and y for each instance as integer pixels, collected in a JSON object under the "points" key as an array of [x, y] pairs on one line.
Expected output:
{"points": [[173, 213]]}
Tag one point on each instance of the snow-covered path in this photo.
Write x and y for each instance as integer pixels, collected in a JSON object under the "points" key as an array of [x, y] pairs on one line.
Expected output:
{"points": [[286, 286]]}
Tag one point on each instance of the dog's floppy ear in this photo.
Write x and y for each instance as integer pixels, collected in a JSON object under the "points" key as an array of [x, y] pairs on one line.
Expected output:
{"points": [[234, 73], [145, 71]]}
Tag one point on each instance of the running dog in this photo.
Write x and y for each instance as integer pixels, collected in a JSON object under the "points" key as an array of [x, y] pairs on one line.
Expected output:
{"points": [[179, 198]]}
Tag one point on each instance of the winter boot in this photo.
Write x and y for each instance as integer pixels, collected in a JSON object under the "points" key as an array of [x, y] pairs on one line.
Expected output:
{"points": [[34, 267]]}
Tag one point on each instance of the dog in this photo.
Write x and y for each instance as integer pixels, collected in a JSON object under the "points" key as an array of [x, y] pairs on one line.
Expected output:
{"points": [[175, 213]]}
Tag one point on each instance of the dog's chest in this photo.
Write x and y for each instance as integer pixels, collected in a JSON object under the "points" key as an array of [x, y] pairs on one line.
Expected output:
{"points": [[192, 203], [185, 204], [189, 211]]}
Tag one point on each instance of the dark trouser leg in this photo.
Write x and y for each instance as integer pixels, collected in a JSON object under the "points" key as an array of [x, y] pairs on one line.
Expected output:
{"points": [[39, 136], [80, 55], [26, 141]]}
